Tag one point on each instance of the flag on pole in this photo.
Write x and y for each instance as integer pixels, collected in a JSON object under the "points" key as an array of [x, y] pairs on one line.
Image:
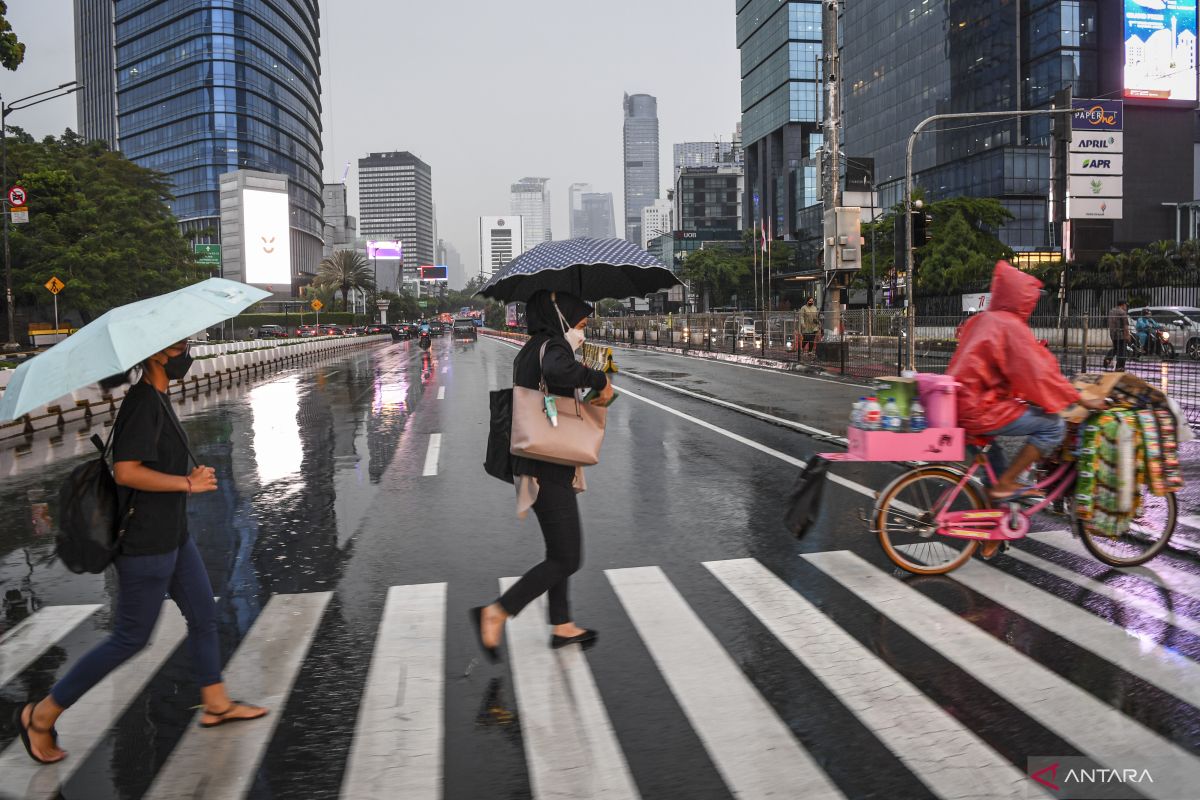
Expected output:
{"points": [[764, 235]]}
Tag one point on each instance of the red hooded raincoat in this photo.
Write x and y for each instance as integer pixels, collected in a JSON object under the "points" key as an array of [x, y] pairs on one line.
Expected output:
{"points": [[998, 362]]}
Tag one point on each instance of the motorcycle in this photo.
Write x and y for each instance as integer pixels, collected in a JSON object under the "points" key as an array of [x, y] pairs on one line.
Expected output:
{"points": [[425, 342], [1158, 345]]}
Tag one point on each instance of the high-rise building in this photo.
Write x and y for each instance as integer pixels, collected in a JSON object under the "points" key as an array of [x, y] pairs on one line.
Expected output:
{"points": [[599, 221], [640, 136], [780, 44], [707, 154], [577, 220], [657, 219], [530, 201], [501, 239], [341, 229], [197, 89], [395, 201], [449, 257]]}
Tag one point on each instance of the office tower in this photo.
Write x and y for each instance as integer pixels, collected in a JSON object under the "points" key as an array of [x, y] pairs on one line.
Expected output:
{"points": [[198, 89], [708, 207], [577, 219], [706, 154], [501, 239], [640, 135], [341, 229], [395, 201], [530, 201], [656, 220], [598, 219], [449, 257]]}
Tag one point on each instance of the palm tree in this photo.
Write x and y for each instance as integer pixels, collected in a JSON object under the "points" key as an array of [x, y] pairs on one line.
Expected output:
{"points": [[345, 270]]}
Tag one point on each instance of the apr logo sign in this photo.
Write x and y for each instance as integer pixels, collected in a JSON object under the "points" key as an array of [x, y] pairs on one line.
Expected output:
{"points": [[1096, 164]]}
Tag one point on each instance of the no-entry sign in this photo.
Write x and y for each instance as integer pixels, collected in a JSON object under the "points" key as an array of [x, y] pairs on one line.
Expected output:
{"points": [[17, 196]]}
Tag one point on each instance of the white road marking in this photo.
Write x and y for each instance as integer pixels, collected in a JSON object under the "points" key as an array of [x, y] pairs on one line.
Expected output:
{"points": [[1154, 663], [912, 726], [754, 367], [1156, 572], [221, 763], [431, 455], [441, 393], [85, 725], [445, 369], [1089, 724], [22, 645], [570, 745], [398, 741], [755, 752]]}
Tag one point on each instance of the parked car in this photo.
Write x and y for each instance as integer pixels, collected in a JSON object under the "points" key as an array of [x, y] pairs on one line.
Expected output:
{"points": [[272, 332], [305, 331], [465, 329], [1182, 322]]}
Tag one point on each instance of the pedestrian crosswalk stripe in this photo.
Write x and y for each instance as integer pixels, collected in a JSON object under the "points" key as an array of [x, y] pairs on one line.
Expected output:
{"points": [[753, 749], [908, 723], [220, 763], [441, 393], [1166, 669], [1114, 593], [1094, 727], [432, 455], [570, 745], [398, 738], [86, 724], [31, 637], [1157, 572]]}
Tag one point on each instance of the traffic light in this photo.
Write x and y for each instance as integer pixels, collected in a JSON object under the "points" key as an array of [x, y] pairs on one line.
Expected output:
{"points": [[921, 228], [900, 238]]}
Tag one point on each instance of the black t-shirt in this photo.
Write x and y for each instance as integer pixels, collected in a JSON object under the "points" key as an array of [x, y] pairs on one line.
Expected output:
{"points": [[144, 432]]}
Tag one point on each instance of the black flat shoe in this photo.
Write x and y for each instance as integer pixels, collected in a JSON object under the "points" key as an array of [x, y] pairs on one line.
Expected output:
{"points": [[492, 653], [24, 730], [582, 638]]}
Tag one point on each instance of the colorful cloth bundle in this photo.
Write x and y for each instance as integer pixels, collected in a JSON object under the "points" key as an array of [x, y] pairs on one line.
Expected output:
{"points": [[1120, 450]]}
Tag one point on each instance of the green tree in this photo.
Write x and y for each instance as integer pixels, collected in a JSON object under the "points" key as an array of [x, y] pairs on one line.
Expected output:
{"points": [[12, 49], [953, 263], [97, 221], [716, 271], [345, 270]]}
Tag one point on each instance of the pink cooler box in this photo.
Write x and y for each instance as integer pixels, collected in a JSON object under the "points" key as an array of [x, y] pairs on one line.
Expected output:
{"points": [[931, 444], [939, 396]]}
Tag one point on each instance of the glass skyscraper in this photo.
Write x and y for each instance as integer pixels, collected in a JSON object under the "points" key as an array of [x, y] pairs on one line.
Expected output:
{"points": [[641, 160], [530, 200], [205, 87]]}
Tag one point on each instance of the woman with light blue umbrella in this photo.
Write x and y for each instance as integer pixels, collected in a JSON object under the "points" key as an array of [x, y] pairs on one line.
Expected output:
{"points": [[155, 474]]}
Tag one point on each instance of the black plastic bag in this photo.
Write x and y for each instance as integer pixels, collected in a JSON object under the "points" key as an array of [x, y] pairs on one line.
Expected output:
{"points": [[498, 461], [89, 522], [804, 501]]}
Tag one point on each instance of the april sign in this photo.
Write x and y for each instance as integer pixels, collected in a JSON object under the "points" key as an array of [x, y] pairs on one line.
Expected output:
{"points": [[1160, 50]]}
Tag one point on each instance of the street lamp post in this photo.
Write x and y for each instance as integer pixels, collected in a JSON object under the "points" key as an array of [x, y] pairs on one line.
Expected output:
{"points": [[61, 90]]}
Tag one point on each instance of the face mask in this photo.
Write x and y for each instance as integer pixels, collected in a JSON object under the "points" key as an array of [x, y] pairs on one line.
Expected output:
{"points": [[178, 366], [574, 338]]}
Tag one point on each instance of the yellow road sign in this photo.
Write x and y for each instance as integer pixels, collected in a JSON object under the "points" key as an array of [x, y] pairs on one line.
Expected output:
{"points": [[55, 285], [317, 305]]}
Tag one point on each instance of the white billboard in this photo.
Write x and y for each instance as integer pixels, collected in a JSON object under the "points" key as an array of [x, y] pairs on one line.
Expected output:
{"points": [[1095, 186], [1094, 208], [1096, 163], [267, 236], [1097, 142]]}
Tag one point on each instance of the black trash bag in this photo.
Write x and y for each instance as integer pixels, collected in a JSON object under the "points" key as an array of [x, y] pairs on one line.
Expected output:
{"points": [[498, 461], [804, 501], [90, 523]]}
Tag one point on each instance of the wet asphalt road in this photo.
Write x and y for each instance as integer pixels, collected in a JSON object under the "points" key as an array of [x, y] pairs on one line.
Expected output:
{"points": [[324, 489]]}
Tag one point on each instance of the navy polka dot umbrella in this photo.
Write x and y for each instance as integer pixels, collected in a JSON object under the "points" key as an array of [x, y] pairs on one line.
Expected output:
{"points": [[593, 269]]}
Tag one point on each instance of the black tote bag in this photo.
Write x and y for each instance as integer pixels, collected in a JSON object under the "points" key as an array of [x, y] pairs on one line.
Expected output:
{"points": [[498, 460]]}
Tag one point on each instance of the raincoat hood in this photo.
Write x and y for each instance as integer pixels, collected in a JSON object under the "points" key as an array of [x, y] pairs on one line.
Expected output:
{"points": [[1014, 291], [541, 318]]}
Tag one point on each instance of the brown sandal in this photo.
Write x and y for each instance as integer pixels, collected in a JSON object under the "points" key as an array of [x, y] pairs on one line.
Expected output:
{"points": [[222, 719]]}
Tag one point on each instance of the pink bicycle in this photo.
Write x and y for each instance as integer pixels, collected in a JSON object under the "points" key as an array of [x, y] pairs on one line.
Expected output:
{"points": [[932, 519]]}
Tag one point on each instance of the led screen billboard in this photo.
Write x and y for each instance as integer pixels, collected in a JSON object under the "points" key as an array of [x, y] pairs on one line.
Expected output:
{"points": [[390, 250], [265, 217], [1160, 50], [434, 273]]}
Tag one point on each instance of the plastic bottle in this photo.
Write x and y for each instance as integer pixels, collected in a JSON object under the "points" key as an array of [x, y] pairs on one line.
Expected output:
{"points": [[872, 415], [856, 413], [891, 416], [916, 417]]}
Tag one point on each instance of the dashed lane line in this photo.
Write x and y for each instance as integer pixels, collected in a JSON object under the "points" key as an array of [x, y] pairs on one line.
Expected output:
{"points": [[432, 454], [441, 393]]}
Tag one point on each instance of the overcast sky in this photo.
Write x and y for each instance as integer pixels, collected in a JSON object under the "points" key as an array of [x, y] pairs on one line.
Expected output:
{"points": [[485, 92]]}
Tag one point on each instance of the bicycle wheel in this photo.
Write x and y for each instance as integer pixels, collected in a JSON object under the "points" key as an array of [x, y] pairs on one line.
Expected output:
{"points": [[1147, 535], [904, 518]]}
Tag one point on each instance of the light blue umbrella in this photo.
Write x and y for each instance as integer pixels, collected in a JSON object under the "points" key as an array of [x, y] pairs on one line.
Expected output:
{"points": [[121, 339]]}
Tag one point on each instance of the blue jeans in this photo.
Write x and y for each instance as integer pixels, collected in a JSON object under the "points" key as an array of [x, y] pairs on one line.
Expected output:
{"points": [[1044, 431], [142, 584]]}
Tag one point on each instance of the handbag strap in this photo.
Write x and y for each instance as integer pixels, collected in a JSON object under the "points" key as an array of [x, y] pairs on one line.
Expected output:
{"points": [[178, 428]]}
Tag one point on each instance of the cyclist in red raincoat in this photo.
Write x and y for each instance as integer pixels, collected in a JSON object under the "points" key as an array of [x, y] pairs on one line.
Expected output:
{"points": [[1011, 384]]}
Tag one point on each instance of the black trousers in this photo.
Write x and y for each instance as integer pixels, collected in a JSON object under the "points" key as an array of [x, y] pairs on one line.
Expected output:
{"points": [[557, 511], [1117, 349]]}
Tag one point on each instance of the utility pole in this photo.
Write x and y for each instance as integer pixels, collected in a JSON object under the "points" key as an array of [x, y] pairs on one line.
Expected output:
{"points": [[832, 78]]}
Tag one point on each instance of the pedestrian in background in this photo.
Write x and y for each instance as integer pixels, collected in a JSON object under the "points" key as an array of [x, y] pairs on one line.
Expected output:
{"points": [[810, 325], [556, 321], [156, 558], [1118, 332]]}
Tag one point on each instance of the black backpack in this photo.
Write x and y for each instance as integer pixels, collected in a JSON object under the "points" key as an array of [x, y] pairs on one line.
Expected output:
{"points": [[90, 522]]}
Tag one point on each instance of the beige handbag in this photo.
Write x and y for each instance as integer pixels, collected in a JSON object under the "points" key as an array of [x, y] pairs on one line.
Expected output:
{"points": [[575, 442]]}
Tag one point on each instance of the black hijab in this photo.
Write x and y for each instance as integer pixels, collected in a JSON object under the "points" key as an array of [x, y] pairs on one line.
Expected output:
{"points": [[541, 318]]}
